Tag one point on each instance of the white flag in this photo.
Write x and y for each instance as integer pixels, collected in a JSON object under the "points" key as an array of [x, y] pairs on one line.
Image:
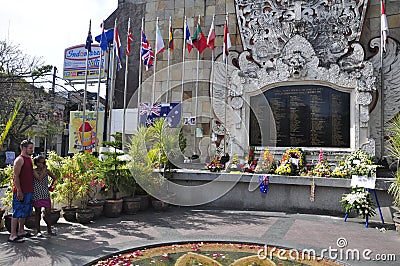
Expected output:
{"points": [[159, 41]]}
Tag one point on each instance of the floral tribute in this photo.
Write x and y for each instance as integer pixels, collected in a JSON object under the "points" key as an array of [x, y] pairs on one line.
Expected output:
{"points": [[251, 162], [217, 254], [358, 163], [322, 168], [235, 165], [215, 165], [267, 164], [292, 162], [358, 200]]}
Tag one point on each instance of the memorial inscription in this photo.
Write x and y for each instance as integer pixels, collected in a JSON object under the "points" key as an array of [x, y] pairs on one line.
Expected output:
{"points": [[305, 115]]}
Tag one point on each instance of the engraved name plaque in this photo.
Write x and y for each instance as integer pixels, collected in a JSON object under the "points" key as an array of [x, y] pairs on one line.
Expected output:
{"points": [[304, 116]]}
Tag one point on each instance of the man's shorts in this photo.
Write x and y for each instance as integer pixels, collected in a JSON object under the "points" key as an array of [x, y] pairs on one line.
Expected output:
{"points": [[22, 209]]}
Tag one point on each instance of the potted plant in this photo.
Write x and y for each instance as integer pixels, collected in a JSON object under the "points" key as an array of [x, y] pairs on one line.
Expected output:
{"points": [[67, 188], [154, 148], [114, 171], [166, 143], [86, 167], [394, 152]]}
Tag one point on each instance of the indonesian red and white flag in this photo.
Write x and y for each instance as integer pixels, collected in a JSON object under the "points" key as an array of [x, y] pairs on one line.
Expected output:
{"points": [[159, 41], [227, 39], [211, 36], [384, 28]]}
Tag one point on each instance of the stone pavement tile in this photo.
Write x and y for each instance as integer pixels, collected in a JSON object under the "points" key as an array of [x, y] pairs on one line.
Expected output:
{"points": [[223, 224], [325, 234]]}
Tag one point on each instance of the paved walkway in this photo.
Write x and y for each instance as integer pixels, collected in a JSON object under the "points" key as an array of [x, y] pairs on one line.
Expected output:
{"points": [[78, 244]]}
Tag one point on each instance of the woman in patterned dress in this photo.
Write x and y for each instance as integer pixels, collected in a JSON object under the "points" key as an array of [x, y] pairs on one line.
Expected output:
{"points": [[41, 194]]}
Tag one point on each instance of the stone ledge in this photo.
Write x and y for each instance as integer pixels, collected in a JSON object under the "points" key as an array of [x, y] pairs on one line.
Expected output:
{"points": [[204, 175]]}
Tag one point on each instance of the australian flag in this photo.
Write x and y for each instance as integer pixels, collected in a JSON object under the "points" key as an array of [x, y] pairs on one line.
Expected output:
{"points": [[89, 39], [171, 112], [264, 183]]}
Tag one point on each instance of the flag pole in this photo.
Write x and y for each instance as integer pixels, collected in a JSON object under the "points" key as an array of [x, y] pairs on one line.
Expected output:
{"points": [[126, 85], [112, 82], [226, 84], [183, 58], [382, 82], [169, 55], [196, 98], [154, 70], [98, 93], [212, 87], [88, 50], [139, 92]]}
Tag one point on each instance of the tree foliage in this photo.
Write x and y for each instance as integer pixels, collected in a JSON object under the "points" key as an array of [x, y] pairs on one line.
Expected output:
{"points": [[18, 74]]}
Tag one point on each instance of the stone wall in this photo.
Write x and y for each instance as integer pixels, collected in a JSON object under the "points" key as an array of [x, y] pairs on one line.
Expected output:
{"points": [[177, 9]]}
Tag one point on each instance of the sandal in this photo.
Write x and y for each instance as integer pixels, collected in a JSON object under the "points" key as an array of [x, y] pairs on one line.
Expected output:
{"points": [[16, 240], [27, 234]]}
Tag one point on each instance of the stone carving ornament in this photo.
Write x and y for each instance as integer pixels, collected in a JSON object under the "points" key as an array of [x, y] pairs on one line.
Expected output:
{"points": [[329, 25]]}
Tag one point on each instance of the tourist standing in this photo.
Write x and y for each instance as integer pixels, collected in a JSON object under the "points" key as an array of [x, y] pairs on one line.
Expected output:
{"points": [[22, 192], [41, 194]]}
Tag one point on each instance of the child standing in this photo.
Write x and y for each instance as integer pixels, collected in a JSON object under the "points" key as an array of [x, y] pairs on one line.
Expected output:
{"points": [[41, 194]]}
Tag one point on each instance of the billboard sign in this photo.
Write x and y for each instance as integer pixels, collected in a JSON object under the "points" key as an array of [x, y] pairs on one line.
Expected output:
{"points": [[92, 136], [75, 63]]}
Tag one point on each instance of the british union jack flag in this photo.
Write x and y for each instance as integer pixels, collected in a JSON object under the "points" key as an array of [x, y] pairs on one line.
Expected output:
{"points": [[147, 53], [156, 109], [145, 109]]}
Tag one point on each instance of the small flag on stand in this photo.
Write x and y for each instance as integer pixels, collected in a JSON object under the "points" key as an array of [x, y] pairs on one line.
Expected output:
{"points": [[129, 39], [117, 47], [89, 39], [199, 40], [146, 52], [384, 27], [211, 36], [159, 41], [312, 192], [188, 39], [264, 183]]}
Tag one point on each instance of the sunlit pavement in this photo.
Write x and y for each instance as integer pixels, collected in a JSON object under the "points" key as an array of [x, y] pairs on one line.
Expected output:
{"points": [[77, 244]]}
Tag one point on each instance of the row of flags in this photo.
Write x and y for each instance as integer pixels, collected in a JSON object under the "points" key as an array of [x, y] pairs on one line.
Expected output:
{"points": [[198, 40]]}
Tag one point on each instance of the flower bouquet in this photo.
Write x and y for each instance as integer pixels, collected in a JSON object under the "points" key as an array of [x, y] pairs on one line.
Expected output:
{"points": [[322, 168], [214, 165], [358, 200], [267, 165], [235, 165]]}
